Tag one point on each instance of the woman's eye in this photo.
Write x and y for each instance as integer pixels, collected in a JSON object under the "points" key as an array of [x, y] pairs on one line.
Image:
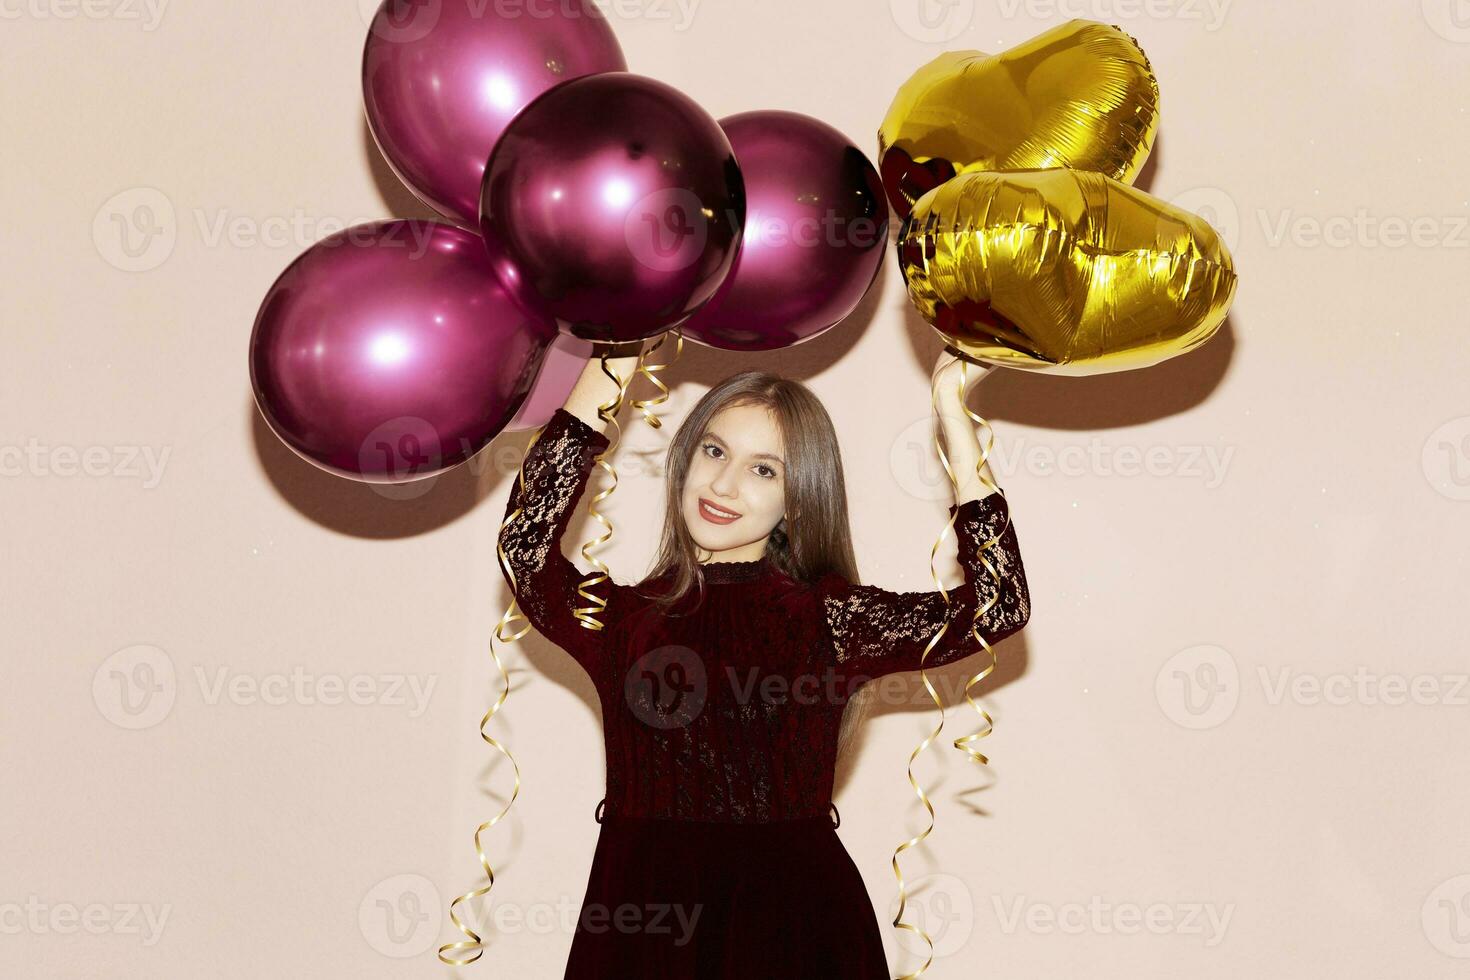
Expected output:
{"points": [[769, 474]]}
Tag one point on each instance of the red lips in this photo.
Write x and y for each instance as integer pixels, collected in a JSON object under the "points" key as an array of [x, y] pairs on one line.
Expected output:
{"points": [[711, 516]]}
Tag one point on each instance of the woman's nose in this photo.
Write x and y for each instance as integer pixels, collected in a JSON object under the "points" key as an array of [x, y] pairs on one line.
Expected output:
{"points": [[723, 483]]}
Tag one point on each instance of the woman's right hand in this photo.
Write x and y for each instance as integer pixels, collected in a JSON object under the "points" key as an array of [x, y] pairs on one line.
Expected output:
{"points": [[594, 388], [622, 359]]}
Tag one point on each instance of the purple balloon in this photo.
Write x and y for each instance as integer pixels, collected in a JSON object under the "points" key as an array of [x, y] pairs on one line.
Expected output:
{"points": [[561, 369], [441, 79], [612, 204], [816, 231], [389, 352]]}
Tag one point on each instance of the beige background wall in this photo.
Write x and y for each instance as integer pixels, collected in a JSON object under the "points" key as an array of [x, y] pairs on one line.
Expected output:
{"points": [[1239, 712]]}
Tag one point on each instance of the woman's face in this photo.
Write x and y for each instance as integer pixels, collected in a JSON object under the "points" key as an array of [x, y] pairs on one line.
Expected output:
{"points": [[739, 467]]}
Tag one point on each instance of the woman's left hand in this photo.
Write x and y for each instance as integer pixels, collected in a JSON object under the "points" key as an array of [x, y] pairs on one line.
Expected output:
{"points": [[946, 373]]}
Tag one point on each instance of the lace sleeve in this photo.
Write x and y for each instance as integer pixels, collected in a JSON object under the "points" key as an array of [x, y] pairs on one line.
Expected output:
{"points": [[875, 632], [557, 467]]}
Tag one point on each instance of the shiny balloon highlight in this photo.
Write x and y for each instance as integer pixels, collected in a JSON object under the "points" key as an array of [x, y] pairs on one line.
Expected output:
{"points": [[612, 205], [442, 80], [816, 232], [1063, 271], [389, 352], [1081, 95]]}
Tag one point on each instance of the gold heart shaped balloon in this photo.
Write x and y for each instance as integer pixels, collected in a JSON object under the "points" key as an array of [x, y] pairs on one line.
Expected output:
{"points": [[1063, 271], [1081, 95]]}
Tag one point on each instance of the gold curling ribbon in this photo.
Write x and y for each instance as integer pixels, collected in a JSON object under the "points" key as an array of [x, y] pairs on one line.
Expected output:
{"points": [[607, 411], [961, 743], [643, 404], [512, 612]]}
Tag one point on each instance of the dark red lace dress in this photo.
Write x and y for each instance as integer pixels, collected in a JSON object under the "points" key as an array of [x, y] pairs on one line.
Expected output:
{"points": [[717, 855]]}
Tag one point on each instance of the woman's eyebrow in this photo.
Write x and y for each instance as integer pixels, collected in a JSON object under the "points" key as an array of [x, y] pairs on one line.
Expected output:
{"points": [[711, 434]]}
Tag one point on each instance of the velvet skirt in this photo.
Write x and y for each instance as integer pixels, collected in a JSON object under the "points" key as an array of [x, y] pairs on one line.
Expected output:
{"points": [[697, 900]]}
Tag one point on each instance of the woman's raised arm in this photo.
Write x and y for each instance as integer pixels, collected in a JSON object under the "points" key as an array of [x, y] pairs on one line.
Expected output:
{"points": [[874, 632], [538, 511], [961, 445]]}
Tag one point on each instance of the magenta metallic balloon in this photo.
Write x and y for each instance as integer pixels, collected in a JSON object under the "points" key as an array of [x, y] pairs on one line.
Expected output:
{"points": [[612, 204], [441, 79], [389, 352], [816, 231]]}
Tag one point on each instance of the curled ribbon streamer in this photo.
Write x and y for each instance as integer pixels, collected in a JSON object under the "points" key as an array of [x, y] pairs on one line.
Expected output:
{"points": [[643, 404], [923, 672], [511, 614], [607, 411], [963, 744]]}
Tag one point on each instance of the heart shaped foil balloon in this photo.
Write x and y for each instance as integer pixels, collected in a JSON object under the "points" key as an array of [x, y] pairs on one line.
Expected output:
{"points": [[1063, 271], [1081, 95]]}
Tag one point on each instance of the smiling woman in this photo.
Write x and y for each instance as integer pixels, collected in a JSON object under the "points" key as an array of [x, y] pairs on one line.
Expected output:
{"points": [[736, 481], [728, 674]]}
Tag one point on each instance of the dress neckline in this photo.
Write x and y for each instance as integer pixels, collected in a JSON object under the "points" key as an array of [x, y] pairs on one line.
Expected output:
{"points": [[718, 572]]}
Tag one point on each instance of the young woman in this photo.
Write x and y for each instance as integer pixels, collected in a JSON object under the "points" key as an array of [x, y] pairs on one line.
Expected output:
{"points": [[725, 673]]}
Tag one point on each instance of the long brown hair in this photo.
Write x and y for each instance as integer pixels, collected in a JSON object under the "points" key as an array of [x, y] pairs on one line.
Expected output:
{"points": [[811, 540]]}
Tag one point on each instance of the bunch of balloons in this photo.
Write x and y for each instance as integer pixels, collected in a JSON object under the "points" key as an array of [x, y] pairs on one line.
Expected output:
{"points": [[1023, 243], [582, 203]]}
